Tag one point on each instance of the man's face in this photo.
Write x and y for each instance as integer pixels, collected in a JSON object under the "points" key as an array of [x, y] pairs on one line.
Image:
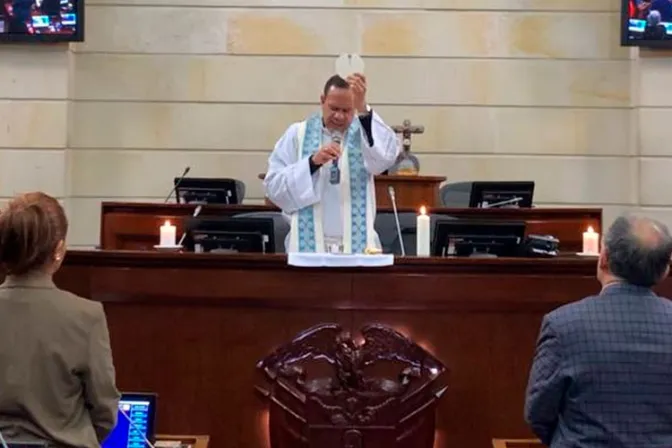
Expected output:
{"points": [[338, 109]]}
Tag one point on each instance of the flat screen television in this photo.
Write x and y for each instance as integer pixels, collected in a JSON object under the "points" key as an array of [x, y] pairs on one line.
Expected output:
{"points": [[646, 23], [42, 20]]}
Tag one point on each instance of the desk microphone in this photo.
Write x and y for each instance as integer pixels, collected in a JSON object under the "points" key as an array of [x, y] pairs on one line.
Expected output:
{"points": [[196, 213], [393, 198], [134, 426], [177, 184]]}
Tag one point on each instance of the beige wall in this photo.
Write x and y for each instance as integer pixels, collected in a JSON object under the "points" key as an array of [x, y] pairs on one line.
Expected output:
{"points": [[34, 120], [507, 89]]}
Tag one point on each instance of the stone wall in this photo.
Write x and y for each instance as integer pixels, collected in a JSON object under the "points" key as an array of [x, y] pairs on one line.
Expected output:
{"points": [[507, 89]]}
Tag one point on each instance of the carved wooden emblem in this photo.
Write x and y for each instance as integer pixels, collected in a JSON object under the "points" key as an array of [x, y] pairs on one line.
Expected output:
{"points": [[325, 389]]}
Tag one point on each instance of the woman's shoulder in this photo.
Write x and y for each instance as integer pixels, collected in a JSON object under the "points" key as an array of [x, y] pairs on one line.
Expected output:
{"points": [[78, 307]]}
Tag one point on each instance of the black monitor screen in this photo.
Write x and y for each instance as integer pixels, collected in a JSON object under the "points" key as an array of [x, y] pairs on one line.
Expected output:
{"points": [[464, 238], [195, 190], [41, 20], [501, 194], [646, 23], [230, 234]]}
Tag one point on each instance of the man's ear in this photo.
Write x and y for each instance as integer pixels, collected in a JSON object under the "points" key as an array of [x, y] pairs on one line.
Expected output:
{"points": [[603, 260], [322, 99]]}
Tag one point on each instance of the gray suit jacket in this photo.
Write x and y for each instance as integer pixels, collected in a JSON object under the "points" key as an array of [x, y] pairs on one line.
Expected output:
{"points": [[602, 374], [56, 372]]}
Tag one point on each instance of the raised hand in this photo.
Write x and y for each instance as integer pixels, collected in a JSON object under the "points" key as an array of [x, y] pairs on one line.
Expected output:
{"points": [[357, 83]]}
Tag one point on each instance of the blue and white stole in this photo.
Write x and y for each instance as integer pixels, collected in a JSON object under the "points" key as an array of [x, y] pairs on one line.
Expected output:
{"points": [[357, 193]]}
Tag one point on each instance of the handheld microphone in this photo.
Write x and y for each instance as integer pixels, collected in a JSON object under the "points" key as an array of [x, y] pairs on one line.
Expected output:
{"points": [[393, 199], [134, 426], [196, 213], [177, 184], [335, 174], [336, 139]]}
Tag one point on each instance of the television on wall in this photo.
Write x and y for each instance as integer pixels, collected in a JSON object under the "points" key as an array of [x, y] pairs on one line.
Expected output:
{"points": [[42, 20]]}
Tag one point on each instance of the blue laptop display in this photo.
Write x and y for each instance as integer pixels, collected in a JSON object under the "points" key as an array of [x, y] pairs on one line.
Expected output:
{"points": [[135, 422]]}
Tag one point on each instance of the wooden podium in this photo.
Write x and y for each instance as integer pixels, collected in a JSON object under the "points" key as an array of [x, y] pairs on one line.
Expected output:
{"points": [[411, 191]]}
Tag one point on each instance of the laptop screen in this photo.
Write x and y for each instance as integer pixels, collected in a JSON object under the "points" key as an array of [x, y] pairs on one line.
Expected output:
{"points": [[136, 425]]}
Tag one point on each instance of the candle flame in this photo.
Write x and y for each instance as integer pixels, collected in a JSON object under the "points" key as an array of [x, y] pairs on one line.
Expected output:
{"points": [[423, 210], [167, 223], [590, 229]]}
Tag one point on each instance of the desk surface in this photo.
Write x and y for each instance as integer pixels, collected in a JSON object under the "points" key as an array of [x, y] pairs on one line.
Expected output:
{"points": [[412, 283], [136, 225], [192, 327]]}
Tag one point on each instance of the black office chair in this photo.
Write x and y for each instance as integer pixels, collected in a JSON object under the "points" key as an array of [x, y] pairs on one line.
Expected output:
{"points": [[455, 195], [281, 226], [386, 227], [240, 190]]}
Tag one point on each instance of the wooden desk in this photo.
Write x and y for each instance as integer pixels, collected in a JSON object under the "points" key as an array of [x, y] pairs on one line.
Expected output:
{"points": [[135, 226], [411, 191], [191, 327]]}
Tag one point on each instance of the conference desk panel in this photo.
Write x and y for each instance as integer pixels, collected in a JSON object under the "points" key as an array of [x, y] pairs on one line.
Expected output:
{"points": [[135, 226], [192, 327]]}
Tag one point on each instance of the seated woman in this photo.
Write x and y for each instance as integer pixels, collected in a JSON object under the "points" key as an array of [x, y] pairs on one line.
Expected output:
{"points": [[56, 373]]}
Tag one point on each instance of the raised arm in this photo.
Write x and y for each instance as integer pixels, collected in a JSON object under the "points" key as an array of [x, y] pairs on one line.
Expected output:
{"points": [[381, 147]]}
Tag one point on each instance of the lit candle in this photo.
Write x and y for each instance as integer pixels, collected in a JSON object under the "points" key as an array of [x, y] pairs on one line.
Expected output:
{"points": [[591, 242], [422, 233], [167, 235]]}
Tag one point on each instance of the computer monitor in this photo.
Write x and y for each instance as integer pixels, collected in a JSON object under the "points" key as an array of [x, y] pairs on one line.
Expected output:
{"points": [[140, 408], [502, 194], [466, 238], [201, 190], [230, 234]]}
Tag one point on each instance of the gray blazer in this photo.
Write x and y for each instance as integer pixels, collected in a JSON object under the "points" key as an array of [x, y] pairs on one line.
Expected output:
{"points": [[56, 372], [602, 375]]}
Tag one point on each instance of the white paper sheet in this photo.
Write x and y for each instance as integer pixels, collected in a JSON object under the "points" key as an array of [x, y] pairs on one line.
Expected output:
{"points": [[314, 260]]}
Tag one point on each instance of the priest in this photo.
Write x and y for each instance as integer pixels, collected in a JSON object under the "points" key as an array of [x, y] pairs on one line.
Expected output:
{"points": [[321, 171]]}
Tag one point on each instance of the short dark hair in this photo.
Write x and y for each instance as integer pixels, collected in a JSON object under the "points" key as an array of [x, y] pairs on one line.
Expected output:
{"points": [[337, 82], [633, 260], [31, 226]]}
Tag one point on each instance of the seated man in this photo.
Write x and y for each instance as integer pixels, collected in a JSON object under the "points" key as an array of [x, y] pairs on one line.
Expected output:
{"points": [[602, 374]]}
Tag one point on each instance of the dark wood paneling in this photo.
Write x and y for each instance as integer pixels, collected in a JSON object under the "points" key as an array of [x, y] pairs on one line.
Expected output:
{"points": [[192, 327], [135, 226]]}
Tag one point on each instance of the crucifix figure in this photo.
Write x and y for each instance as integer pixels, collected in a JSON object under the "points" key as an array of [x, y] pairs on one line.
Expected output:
{"points": [[407, 130], [407, 163]]}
